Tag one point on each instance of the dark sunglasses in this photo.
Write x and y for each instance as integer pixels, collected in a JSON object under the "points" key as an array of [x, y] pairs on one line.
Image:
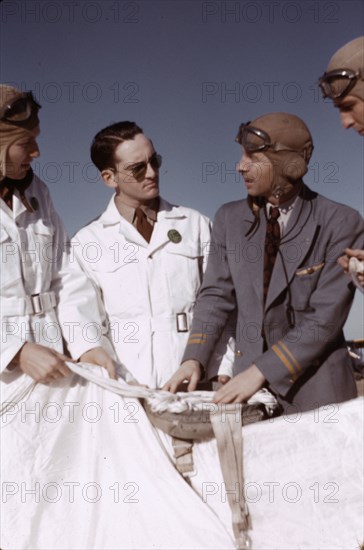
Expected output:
{"points": [[20, 110], [140, 168]]}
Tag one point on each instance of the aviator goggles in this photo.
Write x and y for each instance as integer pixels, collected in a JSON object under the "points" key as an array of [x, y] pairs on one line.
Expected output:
{"points": [[139, 169], [338, 83], [254, 140], [20, 110]]}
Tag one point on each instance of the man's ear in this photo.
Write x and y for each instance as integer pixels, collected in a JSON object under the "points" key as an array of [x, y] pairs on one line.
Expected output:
{"points": [[108, 177]]}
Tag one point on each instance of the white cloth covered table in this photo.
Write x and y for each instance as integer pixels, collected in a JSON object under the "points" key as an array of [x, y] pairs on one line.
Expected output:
{"points": [[82, 468]]}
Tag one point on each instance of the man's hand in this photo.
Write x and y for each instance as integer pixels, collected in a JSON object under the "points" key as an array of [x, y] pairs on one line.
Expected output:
{"points": [[344, 261], [221, 379], [241, 387], [98, 356], [41, 363], [189, 371]]}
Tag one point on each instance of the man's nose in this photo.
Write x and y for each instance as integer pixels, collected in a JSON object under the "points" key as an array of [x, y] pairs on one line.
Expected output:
{"points": [[35, 151], [151, 172], [244, 163], [346, 119]]}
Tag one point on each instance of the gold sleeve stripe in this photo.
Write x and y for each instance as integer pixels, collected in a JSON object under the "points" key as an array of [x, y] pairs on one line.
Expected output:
{"points": [[294, 360], [284, 360], [196, 341], [197, 334]]}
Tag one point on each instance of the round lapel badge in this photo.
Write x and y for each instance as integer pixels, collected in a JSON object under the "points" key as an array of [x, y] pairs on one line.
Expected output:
{"points": [[34, 203], [174, 236]]}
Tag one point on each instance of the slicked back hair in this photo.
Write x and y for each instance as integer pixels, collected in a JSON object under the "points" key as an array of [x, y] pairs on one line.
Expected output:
{"points": [[106, 141]]}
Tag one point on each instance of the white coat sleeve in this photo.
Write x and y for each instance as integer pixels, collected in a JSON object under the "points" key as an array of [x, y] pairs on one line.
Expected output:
{"points": [[81, 310]]}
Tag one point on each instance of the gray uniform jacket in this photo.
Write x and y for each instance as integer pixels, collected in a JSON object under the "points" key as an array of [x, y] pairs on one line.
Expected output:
{"points": [[306, 361]]}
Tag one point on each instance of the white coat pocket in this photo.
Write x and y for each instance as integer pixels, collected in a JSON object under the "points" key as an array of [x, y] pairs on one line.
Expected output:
{"points": [[40, 243], [183, 268], [121, 284]]}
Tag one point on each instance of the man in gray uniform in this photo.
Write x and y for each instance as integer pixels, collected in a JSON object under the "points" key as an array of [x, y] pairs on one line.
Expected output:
{"points": [[273, 258], [343, 82]]}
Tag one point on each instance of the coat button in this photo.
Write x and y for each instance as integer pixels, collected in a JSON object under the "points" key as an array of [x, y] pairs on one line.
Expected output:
{"points": [[238, 353]]}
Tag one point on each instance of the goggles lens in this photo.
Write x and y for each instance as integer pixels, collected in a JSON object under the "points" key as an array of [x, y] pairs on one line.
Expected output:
{"points": [[253, 139], [337, 84], [140, 169], [20, 110]]}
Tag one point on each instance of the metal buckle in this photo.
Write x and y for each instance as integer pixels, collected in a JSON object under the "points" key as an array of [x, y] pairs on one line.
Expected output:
{"points": [[182, 322], [42, 302], [36, 301]]}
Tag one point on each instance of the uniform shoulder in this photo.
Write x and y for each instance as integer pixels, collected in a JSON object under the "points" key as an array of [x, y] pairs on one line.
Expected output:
{"points": [[335, 208], [184, 211], [230, 208]]}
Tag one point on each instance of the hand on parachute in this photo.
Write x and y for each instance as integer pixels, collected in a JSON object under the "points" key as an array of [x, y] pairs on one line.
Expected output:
{"points": [[190, 371], [41, 363], [98, 356], [241, 387]]}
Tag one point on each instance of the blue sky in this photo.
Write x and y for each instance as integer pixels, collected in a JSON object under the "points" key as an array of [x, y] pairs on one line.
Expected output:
{"points": [[188, 72]]}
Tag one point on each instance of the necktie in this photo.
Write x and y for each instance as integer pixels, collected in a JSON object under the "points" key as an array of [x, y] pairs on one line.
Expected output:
{"points": [[271, 246], [142, 224]]}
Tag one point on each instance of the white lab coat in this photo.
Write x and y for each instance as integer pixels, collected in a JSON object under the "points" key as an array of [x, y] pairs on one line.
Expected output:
{"points": [[34, 253], [145, 286]]}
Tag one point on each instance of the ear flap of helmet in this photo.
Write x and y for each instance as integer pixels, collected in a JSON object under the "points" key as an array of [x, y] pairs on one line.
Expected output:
{"points": [[294, 166]]}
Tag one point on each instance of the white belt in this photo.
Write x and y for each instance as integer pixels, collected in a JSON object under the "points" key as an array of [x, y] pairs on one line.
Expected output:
{"points": [[36, 304], [180, 322]]}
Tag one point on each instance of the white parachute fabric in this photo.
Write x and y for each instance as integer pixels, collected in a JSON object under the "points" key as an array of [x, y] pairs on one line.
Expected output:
{"points": [[303, 479], [83, 468]]}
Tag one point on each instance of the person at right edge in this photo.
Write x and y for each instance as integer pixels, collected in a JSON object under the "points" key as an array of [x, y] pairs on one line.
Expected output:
{"points": [[343, 82], [275, 261]]}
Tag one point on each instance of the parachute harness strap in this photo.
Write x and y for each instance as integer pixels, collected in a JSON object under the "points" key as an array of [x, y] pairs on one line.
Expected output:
{"points": [[226, 423]]}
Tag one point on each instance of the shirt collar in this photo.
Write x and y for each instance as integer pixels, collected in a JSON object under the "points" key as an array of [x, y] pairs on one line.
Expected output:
{"points": [[284, 208], [111, 215]]}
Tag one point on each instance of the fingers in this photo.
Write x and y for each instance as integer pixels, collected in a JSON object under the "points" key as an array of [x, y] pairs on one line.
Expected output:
{"points": [[63, 370], [241, 387], [173, 383], [194, 380], [221, 397], [223, 379], [354, 253], [41, 363], [99, 356], [344, 262]]}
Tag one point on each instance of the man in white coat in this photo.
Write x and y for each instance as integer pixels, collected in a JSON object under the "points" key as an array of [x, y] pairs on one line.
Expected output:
{"points": [[34, 255], [145, 257]]}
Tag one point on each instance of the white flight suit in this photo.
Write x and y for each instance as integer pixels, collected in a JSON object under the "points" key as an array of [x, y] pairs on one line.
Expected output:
{"points": [[34, 252], [148, 289]]}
